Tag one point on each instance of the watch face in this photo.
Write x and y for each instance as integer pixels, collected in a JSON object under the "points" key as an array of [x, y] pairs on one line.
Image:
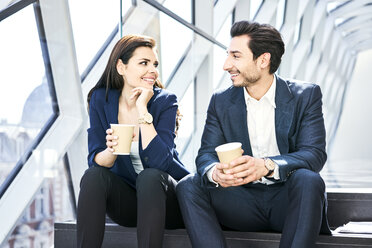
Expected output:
{"points": [[270, 165], [148, 118]]}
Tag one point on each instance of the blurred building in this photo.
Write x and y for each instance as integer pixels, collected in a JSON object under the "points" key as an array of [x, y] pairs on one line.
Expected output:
{"points": [[51, 202]]}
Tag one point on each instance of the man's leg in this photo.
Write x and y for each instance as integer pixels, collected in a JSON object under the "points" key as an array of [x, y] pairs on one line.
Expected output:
{"points": [[241, 208], [303, 199], [203, 210], [200, 219]]}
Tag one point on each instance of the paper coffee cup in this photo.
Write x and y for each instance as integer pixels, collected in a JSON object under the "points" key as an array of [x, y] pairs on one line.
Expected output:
{"points": [[229, 151], [125, 136]]}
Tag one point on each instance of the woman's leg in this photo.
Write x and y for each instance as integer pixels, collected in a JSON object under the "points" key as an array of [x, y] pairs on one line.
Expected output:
{"points": [[157, 207], [102, 191]]}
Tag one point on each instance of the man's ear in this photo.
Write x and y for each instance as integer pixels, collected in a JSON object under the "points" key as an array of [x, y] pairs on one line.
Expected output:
{"points": [[265, 60], [120, 67]]}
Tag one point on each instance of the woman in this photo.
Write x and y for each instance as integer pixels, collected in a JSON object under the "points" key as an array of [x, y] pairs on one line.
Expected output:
{"points": [[136, 189]]}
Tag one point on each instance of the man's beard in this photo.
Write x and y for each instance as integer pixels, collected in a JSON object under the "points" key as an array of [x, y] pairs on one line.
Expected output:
{"points": [[247, 81]]}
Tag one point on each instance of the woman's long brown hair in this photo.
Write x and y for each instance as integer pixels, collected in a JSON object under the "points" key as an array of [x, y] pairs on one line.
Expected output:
{"points": [[124, 50]]}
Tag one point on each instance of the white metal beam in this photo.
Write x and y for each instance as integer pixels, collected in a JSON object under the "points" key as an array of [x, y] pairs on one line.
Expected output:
{"points": [[204, 76], [267, 11], [351, 8], [58, 32]]}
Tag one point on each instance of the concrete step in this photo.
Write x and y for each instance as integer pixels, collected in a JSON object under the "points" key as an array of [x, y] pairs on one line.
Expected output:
{"points": [[118, 236], [342, 208]]}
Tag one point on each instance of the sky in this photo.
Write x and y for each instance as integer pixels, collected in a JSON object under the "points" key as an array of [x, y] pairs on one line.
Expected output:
{"points": [[21, 63]]}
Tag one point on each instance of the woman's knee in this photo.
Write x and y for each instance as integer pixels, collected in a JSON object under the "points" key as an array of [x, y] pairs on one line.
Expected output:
{"points": [[150, 177], [94, 175]]}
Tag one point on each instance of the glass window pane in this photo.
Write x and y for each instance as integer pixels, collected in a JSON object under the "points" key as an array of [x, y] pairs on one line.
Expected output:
{"points": [[223, 35], [91, 32], [280, 11], [125, 6], [219, 54], [50, 204], [297, 34], [25, 102], [255, 6], [332, 5], [185, 136], [186, 106], [182, 8], [172, 47]]}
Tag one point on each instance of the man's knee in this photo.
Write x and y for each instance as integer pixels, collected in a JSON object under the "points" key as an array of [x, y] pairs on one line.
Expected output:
{"points": [[188, 186], [308, 180]]}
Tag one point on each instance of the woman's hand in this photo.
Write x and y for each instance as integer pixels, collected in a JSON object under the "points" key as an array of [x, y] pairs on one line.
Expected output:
{"points": [[142, 96], [111, 140]]}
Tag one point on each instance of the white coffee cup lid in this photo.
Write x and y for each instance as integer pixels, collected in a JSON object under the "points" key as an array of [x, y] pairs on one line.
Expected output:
{"points": [[228, 146]]}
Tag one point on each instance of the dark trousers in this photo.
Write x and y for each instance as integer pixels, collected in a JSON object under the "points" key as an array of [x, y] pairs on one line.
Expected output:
{"points": [[295, 208], [151, 206]]}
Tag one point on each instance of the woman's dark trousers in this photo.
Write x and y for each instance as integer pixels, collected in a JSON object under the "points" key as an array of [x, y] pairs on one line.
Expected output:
{"points": [[152, 206]]}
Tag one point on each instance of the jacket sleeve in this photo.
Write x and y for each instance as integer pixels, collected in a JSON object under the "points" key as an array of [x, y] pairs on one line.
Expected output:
{"points": [[212, 137], [310, 139], [96, 132], [161, 150]]}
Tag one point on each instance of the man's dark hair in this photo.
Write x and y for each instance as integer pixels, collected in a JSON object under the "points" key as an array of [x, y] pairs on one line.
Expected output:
{"points": [[263, 39]]}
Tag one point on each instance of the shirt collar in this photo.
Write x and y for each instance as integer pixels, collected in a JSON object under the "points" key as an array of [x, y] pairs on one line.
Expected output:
{"points": [[270, 94]]}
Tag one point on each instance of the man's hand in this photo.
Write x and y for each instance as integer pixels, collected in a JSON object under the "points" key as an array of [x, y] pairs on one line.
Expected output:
{"points": [[225, 180], [246, 169]]}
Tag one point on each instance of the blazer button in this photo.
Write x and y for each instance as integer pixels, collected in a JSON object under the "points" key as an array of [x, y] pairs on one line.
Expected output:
{"points": [[146, 159]]}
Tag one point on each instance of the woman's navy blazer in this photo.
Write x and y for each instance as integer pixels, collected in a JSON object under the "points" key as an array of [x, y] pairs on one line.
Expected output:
{"points": [[160, 153]]}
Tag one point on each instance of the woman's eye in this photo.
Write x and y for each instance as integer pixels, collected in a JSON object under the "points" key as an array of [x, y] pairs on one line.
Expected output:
{"points": [[156, 65], [143, 63]]}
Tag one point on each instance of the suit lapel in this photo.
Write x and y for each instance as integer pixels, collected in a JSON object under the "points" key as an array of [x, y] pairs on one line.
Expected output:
{"points": [[237, 114], [112, 106], [283, 114]]}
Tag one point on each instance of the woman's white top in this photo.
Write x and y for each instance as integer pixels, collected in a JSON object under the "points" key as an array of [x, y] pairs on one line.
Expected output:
{"points": [[134, 156]]}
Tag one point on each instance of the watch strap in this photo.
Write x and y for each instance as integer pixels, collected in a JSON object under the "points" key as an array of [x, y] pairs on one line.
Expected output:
{"points": [[269, 173]]}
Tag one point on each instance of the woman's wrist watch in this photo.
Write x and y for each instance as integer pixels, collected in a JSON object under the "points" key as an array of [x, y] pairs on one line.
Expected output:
{"points": [[145, 118]]}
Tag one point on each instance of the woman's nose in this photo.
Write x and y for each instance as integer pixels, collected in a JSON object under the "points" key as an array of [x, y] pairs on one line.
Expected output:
{"points": [[153, 69]]}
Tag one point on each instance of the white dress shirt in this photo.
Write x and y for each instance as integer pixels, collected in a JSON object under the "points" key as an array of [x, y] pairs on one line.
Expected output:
{"points": [[261, 129]]}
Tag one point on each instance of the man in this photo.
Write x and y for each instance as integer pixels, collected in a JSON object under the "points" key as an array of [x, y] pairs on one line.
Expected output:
{"points": [[276, 184]]}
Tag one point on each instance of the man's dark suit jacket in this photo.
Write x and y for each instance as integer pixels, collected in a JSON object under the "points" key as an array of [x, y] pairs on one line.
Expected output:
{"points": [[299, 127], [160, 153]]}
